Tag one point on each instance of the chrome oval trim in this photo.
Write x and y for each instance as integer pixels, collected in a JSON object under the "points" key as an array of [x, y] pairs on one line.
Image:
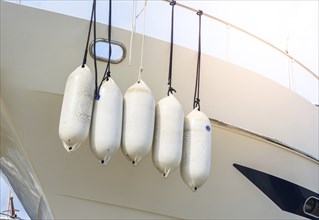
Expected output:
{"points": [[104, 40], [316, 206]]}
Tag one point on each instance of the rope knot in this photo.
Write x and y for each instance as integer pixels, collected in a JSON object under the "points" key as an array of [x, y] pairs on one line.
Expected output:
{"points": [[172, 3], [197, 103], [199, 12], [97, 96], [171, 90]]}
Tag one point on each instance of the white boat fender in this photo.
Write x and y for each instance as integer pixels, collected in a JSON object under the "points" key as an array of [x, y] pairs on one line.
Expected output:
{"points": [[168, 135], [138, 122], [76, 111], [196, 157], [106, 127]]}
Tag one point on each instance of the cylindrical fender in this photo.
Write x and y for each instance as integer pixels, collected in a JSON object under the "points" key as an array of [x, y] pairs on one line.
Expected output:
{"points": [[168, 135], [196, 159], [138, 122], [106, 127], [76, 111]]}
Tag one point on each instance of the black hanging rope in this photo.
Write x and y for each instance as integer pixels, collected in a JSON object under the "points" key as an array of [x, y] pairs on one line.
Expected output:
{"points": [[170, 88], [97, 95], [107, 72], [196, 102], [88, 38]]}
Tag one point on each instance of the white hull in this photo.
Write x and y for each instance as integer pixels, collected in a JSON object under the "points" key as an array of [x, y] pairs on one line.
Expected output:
{"points": [[38, 51]]}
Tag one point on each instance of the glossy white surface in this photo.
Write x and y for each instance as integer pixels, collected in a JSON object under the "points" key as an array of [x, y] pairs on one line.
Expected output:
{"points": [[34, 69], [76, 110], [106, 127], [168, 135], [196, 158], [138, 122]]}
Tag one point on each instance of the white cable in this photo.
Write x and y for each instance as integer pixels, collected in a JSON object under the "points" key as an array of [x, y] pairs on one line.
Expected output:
{"points": [[292, 84], [132, 32], [142, 46]]}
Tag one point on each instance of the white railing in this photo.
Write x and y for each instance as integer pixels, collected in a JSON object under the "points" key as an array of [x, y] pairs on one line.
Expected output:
{"points": [[221, 39], [285, 53], [296, 70]]}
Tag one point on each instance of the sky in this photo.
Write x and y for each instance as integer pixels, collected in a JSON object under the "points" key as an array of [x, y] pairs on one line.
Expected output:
{"points": [[291, 25], [5, 190]]}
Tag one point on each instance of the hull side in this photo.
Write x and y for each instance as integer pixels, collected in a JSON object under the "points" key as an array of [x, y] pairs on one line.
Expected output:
{"points": [[34, 70]]}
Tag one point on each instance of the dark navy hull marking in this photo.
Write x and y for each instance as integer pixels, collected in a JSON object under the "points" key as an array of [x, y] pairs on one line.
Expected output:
{"points": [[286, 195]]}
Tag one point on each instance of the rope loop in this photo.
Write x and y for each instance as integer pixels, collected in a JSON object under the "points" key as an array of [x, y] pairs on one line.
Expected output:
{"points": [[170, 70], [172, 3], [108, 75], [196, 102], [170, 90], [199, 12]]}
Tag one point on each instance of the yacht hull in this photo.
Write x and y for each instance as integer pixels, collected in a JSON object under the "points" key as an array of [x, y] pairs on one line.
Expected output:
{"points": [[36, 57]]}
